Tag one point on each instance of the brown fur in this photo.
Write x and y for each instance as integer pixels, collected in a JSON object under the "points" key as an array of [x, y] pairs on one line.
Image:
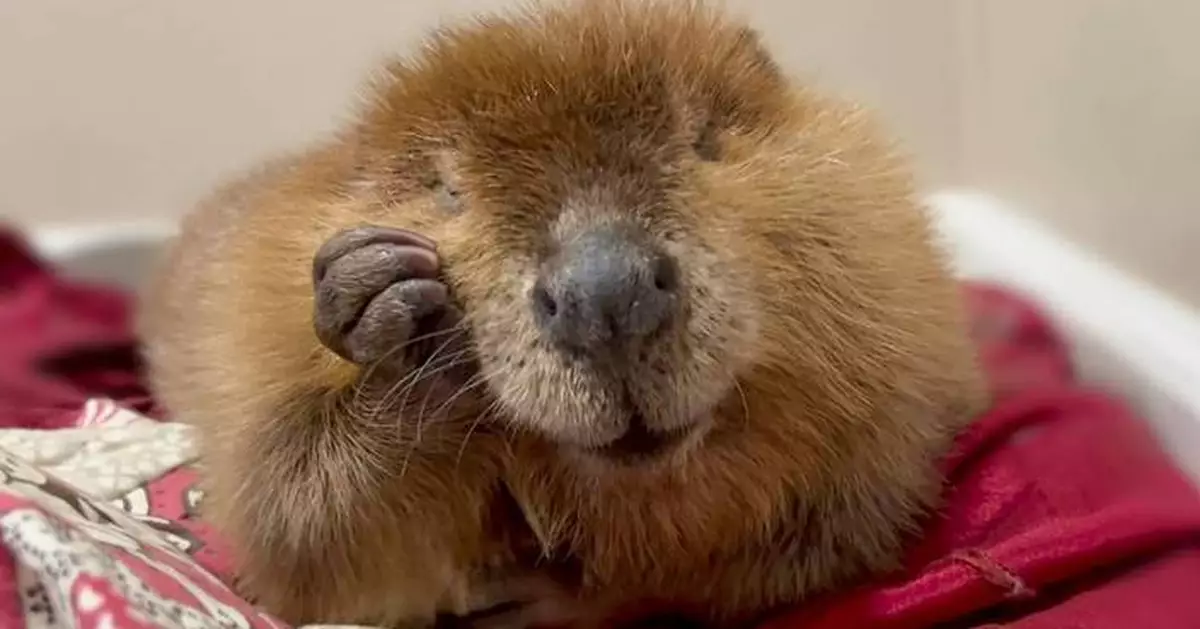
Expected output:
{"points": [[824, 336]]}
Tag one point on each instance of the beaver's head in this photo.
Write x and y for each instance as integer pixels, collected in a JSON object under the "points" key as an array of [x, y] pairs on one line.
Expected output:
{"points": [[637, 210]]}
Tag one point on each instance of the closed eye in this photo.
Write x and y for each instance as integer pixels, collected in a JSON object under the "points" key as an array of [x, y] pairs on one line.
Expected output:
{"points": [[707, 144], [445, 184], [448, 198]]}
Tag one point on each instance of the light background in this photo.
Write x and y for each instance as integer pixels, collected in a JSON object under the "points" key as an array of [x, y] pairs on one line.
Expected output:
{"points": [[1083, 113]]}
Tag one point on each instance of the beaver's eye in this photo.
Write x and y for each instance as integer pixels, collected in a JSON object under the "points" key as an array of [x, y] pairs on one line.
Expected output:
{"points": [[448, 196], [444, 182], [707, 143]]}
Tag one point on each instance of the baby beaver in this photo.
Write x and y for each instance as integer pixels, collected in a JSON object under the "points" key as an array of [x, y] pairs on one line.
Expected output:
{"points": [[589, 307]]}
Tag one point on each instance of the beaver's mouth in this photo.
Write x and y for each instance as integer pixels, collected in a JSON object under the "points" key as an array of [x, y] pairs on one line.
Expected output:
{"points": [[640, 444]]}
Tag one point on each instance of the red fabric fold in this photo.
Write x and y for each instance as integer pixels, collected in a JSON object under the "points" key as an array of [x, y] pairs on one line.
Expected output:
{"points": [[1049, 489], [61, 342]]}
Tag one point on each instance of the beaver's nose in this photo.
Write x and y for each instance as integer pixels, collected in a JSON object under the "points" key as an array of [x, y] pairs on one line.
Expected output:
{"points": [[605, 288]]}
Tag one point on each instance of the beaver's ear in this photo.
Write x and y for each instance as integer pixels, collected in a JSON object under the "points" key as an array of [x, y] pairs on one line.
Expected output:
{"points": [[747, 84], [748, 47]]}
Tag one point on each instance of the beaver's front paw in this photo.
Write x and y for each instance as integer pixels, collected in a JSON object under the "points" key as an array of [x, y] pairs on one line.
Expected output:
{"points": [[379, 302]]}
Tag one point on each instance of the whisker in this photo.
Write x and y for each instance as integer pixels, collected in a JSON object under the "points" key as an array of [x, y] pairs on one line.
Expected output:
{"points": [[474, 381], [485, 415], [420, 419], [737, 385], [415, 377], [416, 442], [414, 373], [365, 379], [428, 361], [429, 392], [379, 362], [371, 410], [407, 415], [420, 415]]}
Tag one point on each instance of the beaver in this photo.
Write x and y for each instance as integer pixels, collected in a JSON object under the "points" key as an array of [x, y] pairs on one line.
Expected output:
{"points": [[590, 304]]}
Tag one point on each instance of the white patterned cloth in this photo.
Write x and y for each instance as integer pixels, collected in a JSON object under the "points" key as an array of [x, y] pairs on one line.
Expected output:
{"points": [[112, 451], [81, 544]]}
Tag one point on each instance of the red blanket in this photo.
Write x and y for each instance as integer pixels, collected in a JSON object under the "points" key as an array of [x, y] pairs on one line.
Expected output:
{"points": [[62, 341], [1063, 511]]}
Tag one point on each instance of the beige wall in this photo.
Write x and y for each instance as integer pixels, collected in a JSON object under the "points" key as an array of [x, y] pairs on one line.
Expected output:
{"points": [[1082, 111], [1087, 114], [122, 108]]}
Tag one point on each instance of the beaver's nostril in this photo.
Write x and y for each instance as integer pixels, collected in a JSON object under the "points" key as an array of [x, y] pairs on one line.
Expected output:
{"points": [[543, 302], [666, 274]]}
